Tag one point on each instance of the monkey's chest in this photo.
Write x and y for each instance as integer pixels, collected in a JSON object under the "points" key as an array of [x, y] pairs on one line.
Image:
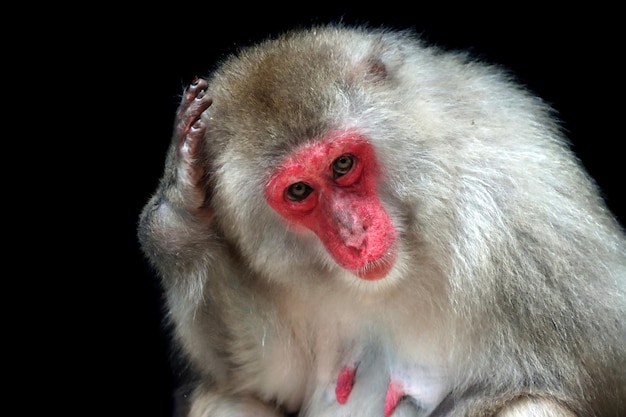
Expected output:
{"points": [[298, 359], [334, 361]]}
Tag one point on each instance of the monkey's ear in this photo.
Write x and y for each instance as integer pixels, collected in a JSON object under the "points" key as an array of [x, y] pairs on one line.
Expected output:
{"points": [[371, 69], [381, 63], [376, 70]]}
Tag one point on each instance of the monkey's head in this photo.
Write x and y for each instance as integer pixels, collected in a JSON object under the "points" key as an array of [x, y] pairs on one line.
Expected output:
{"points": [[329, 151], [297, 179]]}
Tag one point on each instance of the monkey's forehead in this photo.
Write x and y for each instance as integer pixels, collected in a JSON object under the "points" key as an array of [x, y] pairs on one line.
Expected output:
{"points": [[284, 75], [297, 87], [306, 52]]}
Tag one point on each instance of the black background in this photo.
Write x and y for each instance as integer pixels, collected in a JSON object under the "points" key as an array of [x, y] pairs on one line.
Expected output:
{"points": [[145, 57]]}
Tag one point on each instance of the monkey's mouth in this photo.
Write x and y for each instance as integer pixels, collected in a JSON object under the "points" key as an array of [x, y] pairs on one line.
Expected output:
{"points": [[377, 269]]}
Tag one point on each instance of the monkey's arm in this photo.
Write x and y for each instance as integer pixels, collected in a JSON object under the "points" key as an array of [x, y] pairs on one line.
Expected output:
{"points": [[174, 225], [175, 231]]}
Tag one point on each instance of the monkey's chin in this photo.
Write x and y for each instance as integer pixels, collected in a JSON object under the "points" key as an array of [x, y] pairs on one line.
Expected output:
{"points": [[376, 270]]}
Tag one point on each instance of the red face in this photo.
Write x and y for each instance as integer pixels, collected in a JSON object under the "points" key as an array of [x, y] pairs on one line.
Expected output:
{"points": [[329, 187]]}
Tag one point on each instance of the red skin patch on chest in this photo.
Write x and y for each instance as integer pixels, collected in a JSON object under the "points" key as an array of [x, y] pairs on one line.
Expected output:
{"points": [[395, 392], [345, 382], [344, 211]]}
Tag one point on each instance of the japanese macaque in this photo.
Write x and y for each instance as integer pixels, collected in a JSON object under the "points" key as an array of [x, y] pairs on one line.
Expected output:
{"points": [[352, 222]]}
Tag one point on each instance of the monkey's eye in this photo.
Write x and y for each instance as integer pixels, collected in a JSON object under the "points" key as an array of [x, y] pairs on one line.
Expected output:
{"points": [[298, 191], [342, 165]]}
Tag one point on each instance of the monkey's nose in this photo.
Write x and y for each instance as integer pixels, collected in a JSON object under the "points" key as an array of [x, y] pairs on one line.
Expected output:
{"points": [[351, 229], [352, 238]]}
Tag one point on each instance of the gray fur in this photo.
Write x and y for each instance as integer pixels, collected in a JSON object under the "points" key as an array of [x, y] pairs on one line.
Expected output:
{"points": [[509, 292]]}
